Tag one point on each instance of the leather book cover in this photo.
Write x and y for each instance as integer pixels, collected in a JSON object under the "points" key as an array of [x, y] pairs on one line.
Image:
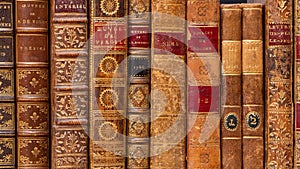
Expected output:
{"points": [[203, 80], [297, 83], [32, 84], [168, 85], [231, 122], [252, 86], [279, 117], [138, 108], [69, 84], [7, 85], [108, 83]]}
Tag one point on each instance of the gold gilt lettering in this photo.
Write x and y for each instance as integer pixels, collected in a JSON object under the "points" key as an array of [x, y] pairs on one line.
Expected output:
{"points": [[4, 6], [33, 5], [279, 27], [280, 40], [33, 48], [33, 21], [2, 54], [5, 24], [4, 47], [171, 44], [70, 6]]}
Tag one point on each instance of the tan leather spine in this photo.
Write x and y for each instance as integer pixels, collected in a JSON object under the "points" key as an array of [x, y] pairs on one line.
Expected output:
{"points": [[7, 85], [32, 83], [297, 83], [231, 122], [69, 84], [253, 86], [108, 83], [203, 84], [138, 114], [279, 118], [168, 85]]}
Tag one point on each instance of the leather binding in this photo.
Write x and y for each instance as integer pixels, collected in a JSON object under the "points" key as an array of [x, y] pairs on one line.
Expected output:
{"points": [[279, 121], [108, 83], [252, 86], [69, 84], [168, 85], [138, 128], [32, 84], [7, 85], [203, 80], [297, 83], [231, 122]]}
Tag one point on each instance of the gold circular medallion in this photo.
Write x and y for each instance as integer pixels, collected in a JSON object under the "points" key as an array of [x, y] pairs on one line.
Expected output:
{"points": [[108, 65], [109, 7], [108, 131], [109, 98]]}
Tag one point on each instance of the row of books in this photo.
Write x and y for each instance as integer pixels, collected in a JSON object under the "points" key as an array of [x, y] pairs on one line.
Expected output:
{"points": [[149, 84]]}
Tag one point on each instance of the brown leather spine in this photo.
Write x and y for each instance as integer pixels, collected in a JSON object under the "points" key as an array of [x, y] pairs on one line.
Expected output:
{"points": [[278, 85], [69, 84], [32, 84], [231, 122], [203, 84], [297, 83], [138, 126], [7, 85], [252, 87], [108, 83], [168, 85]]}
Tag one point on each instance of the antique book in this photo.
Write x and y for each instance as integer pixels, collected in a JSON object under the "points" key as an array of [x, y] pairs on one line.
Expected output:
{"points": [[108, 83], [252, 86], [231, 103], [297, 82], [69, 84], [32, 84], [7, 85], [168, 85], [138, 108], [203, 84], [279, 118]]}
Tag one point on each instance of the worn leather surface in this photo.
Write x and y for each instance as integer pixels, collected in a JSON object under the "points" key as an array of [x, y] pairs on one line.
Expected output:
{"points": [[231, 122], [278, 85], [69, 84], [32, 83]]}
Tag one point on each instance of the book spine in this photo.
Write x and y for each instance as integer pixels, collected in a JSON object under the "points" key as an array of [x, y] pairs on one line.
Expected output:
{"points": [[168, 85], [32, 85], [108, 83], [138, 128], [69, 84], [231, 126], [7, 85], [252, 86], [203, 84], [278, 85], [297, 83]]}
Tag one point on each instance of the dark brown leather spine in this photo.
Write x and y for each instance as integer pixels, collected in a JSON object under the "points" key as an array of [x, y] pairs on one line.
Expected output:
{"points": [[279, 119], [7, 85], [231, 122], [168, 85], [203, 88], [69, 84], [297, 83], [32, 83], [108, 83], [252, 87], [138, 126]]}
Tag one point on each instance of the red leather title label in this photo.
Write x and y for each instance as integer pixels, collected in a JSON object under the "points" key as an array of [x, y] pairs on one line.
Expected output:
{"points": [[110, 36], [279, 34], [169, 43], [203, 39], [203, 99]]}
